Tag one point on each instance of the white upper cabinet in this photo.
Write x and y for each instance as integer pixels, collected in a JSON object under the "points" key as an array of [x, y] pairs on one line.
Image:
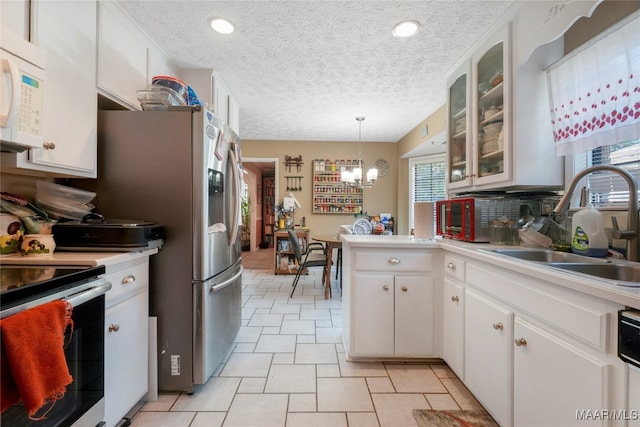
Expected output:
{"points": [[458, 127], [66, 31], [159, 64], [15, 16], [499, 128], [122, 55]]}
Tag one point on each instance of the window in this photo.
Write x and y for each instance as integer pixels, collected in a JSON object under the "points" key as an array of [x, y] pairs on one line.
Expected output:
{"points": [[609, 189], [426, 181]]}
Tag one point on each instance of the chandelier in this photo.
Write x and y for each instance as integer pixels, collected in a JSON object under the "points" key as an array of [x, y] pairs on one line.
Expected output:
{"points": [[353, 178]]}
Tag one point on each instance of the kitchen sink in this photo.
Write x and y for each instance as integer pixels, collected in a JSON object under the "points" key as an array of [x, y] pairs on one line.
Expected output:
{"points": [[623, 274], [546, 256]]}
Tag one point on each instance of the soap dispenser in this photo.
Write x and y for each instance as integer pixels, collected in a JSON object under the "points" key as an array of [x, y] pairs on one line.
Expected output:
{"points": [[588, 236]]}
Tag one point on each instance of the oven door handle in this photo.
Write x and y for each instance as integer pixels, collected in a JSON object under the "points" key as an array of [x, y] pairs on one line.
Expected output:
{"points": [[226, 283], [89, 292], [88, 295]]}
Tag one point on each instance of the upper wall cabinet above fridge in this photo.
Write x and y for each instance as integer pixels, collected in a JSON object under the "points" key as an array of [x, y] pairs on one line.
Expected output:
{"points": [[127, 58], [214, 93]]}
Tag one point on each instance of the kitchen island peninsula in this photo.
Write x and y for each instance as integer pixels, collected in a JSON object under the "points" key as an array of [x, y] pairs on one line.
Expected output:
{"points": [[530, 327]]}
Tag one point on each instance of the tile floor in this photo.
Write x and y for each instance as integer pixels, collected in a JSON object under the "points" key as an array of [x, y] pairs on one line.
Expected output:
{"points": [[288, 368]]}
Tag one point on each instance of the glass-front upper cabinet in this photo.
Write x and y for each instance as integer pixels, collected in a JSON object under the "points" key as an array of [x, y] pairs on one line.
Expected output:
{"points": [[491, 138], [458, 128]]}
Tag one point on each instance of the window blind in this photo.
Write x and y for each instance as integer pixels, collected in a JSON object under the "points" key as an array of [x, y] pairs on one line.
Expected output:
{"points": [[610, 189], [427, 181]]}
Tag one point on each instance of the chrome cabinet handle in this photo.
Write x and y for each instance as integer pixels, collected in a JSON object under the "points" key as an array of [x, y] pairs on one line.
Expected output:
{"points": [[451, 266], [48, 145], [114, 327], [129, 279], [455, 298], [394, 261], [521, 342], [404, 289], [498, 326], [385, 287]]}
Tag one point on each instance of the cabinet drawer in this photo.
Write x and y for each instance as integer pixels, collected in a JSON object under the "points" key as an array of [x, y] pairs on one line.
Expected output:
{"points": [[126, 282], [392, 260], [579, 316], [454, 267]]}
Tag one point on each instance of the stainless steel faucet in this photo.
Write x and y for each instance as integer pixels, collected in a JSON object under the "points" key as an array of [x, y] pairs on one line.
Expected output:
{"points": [[630, 235]]}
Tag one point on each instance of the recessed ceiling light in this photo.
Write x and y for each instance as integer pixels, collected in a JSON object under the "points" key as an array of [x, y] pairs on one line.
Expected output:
{"points": [[221, 25], [405, 29]]}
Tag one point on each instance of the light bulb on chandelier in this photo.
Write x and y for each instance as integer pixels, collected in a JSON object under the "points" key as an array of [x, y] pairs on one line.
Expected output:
{"points": [[353, 178]]}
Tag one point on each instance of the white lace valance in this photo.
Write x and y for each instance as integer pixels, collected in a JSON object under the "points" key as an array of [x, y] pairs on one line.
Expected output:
{"points": [[595, 91]]}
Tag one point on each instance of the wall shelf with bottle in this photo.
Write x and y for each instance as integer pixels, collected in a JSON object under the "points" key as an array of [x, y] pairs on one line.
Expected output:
{"points": [[330, 194]]}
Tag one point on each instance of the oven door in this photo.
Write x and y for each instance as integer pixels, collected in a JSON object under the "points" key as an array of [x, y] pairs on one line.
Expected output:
{"points": [[83, 402]]}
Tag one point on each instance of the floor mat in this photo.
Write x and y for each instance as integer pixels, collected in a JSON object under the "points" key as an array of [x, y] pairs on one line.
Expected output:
{"points": [[439, 418]]}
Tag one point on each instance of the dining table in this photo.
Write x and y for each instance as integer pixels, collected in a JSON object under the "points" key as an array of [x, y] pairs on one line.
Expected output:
{"points": [[331, 241]]}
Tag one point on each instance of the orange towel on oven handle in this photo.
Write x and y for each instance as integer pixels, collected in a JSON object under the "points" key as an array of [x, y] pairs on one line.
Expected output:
{"points": [[34, 367]]}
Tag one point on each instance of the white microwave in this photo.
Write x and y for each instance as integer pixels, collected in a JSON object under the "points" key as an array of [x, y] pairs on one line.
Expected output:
{"points": [[21, 93]]}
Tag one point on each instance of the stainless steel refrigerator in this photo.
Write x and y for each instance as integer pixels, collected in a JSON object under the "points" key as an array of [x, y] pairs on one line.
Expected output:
{"points": [[182, 169]]}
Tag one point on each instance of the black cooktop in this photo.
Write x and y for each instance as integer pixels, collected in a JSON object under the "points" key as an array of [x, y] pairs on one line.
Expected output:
{"points": [[20, 283]]}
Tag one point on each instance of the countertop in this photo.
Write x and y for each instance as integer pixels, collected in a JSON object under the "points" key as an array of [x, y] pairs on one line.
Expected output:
{"points": [[77, 258], [590, 285]]}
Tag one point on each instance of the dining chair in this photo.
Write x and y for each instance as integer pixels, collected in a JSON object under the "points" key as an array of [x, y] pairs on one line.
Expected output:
{"points": [[314, 256]]}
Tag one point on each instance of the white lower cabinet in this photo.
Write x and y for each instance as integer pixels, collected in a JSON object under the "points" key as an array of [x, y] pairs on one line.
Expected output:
{"points": [[633, 396], [488, 359], [554, 380], [126, 338], [536, 354], [414, 318], [453, 326], [389, 305], [393, 315]]}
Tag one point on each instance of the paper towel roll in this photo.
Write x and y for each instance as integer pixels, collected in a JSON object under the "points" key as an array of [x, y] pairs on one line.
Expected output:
{"points": [[424, 219]]}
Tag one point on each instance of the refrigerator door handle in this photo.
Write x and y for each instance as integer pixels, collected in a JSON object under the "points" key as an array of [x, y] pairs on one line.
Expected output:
{"points": [[226, 283], [236, 198]]}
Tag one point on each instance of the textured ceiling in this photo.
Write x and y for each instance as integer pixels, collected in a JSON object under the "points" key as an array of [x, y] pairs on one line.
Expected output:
{"points": [[303, 70]]}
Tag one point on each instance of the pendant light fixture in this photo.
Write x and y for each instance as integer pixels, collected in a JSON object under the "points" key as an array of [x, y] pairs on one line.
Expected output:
{"points": [[353, 178]]}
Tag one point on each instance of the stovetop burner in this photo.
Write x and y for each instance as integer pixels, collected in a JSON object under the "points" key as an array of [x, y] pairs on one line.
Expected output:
{"points": [[19, 283]]}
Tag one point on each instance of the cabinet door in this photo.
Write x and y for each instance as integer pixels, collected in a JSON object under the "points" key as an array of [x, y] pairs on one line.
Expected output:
{"points": [[372, 331], [126, 356], [414, 318], [488, 354], [220, 99], [158, 64], [459, 129], [15, 16], [234, 114], [122, 55], [633, 396], [67, 32], [553, 380], [453, 326], [491, 119]]}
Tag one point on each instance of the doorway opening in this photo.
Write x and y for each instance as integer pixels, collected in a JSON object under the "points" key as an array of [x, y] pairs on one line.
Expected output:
{"points": [[261, 179]]}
